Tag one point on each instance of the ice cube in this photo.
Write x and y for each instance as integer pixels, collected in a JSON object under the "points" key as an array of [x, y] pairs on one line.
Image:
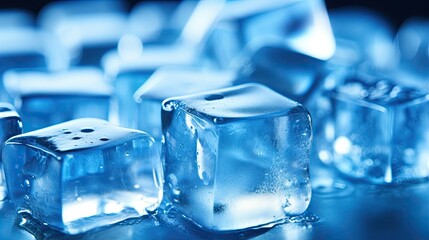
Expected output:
{"points": [[362, 36], [45, 98], [129, 67], [86, 30], [160, 21], [285, 71], [236, 158], [412, 43], [17, 52], [170, 82], [299, 25], [10, 125], [83, 174], [379, 131]]}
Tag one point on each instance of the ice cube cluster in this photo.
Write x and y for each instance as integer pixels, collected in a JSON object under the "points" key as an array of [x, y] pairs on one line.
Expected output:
{"points": [[215, 109]]}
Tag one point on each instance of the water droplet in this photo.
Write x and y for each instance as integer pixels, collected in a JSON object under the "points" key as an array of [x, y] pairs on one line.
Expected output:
{"points": [[176, 191], [79, 199], [104, 139], [168, 106], [87, 130], [26, 198], [67, 132], [172, 183], [206, 178], [26, 183], [286, 204], [218, 120], [76, 138], [213, 97], [136, 186], [127, 154]]}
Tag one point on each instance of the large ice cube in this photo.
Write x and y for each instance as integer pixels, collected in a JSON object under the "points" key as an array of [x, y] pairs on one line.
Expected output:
{"points": [[82, 174], [236, 158], [10, 125], [46, 98], [379, 131], [170, 82]]}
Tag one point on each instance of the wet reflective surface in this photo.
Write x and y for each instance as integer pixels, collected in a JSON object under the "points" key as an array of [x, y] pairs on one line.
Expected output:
{"points": [[338, 210]]}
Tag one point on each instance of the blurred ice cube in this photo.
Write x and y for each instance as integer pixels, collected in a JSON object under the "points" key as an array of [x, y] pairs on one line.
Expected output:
{"points": [[45, 98]]}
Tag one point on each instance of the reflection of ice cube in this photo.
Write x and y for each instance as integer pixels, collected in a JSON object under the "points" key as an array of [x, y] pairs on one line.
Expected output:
{"points": [[236, 158], [170, 82], [380, 130], [44, 98], [83, 174], [10, 125]]}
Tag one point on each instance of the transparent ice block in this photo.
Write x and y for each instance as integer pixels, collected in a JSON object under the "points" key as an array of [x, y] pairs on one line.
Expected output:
{"points": [[379, 131], [10, 125], [83, 174], [236, 158], [45, 98]]}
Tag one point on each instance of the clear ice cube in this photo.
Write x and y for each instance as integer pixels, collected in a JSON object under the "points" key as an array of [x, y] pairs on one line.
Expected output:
{"points": [[379, 131], [236, 158], [83, 174], [10, 125], [45, 98], [170, 82]]}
